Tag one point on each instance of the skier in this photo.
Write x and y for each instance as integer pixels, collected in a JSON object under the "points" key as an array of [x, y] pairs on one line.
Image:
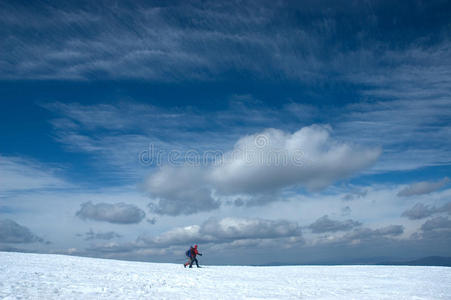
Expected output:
{"points": [[191, 254]]}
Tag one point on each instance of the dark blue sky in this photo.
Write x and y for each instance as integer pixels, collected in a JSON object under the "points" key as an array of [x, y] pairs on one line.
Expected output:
{"points": [[343, 110]]}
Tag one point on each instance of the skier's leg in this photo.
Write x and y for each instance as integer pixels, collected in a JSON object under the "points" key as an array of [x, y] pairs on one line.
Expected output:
{"points": [[191, 263], [188, 262], [197, 263]]}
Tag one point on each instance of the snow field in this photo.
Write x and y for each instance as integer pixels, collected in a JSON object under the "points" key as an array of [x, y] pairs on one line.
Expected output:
{"points": [[46, 276]]}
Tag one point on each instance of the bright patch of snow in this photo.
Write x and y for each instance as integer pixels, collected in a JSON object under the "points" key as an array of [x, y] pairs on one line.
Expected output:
{"points": [[42, 276]]}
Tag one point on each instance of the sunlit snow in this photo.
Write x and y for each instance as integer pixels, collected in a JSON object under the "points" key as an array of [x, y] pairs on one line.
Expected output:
{"points": [[43, 276]]}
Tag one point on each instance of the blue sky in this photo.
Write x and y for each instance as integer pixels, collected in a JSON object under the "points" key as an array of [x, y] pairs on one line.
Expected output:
{"points": [[330, 122]]}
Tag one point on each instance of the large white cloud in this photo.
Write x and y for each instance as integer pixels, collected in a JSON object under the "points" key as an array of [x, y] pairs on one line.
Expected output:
{"points": [[274, 159], [259, 165]]}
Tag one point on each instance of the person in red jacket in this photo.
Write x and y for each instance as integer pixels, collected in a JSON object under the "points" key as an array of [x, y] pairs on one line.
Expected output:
{"points": [[192, 253]]}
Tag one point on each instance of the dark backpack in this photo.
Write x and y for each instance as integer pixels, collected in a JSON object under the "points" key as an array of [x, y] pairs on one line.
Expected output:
{"points": [[188, 253]]}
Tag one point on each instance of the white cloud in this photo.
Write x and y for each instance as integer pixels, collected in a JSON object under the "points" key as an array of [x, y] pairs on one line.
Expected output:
{"points": [[423, 187], [225, 230], [117, 213], [260, 165], [40, 210], [309, 157], [180, 191], [237, 229], [362, 235], [421, 211]]}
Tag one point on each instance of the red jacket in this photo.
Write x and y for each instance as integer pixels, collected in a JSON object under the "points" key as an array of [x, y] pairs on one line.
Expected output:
{"points": [[194, 252]]}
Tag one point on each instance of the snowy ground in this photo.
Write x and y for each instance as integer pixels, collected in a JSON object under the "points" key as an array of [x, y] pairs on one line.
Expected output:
{"points": [[41, 276]]}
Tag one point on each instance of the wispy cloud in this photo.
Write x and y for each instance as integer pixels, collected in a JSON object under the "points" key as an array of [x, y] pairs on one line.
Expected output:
{"points": [[423, 187], [143, 41], [169, 42], [413, 133], [21, 174]]}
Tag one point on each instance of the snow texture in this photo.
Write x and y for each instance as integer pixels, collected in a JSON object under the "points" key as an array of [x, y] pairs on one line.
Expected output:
{"points": [[45, 276]]}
